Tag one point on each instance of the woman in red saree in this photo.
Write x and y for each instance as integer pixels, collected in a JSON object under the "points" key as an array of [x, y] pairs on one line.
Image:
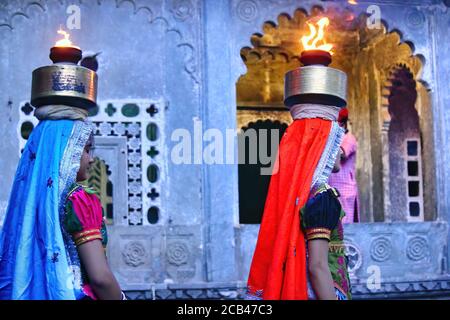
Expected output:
{"points": [[306, 157]]}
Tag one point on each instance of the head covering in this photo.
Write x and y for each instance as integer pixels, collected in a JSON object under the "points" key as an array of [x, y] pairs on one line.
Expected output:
{"points": [[38, 259], [306, 157], [59, 112], [343, 115], [311, 111]]}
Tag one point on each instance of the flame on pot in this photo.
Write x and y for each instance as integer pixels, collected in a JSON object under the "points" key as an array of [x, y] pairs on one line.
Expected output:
{"points": [[65, 42], [316, 35]]}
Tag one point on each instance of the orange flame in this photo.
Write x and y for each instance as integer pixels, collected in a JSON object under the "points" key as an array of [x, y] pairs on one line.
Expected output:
{"points": [[310, 41], [66, 41], [352, 2]]}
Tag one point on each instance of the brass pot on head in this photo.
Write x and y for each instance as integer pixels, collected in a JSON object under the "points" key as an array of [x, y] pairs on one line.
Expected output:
{"points": [[315, 82], [65, 82]]}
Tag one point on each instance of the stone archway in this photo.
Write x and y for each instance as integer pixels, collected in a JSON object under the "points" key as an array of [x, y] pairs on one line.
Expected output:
{"points": [[368, 56]]}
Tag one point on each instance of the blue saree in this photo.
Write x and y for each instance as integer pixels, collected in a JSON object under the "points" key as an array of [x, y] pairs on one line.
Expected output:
{"points": [[38, 259]]}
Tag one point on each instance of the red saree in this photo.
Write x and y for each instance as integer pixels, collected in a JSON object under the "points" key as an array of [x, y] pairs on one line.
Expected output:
{"points": [[278, 269]]}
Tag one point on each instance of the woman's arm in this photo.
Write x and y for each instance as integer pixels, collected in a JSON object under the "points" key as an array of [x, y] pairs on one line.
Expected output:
{"points": [[319, 271], [101, 279], [320, 216]]}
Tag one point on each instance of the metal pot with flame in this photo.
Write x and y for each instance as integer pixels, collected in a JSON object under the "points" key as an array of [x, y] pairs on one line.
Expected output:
{"points": [[315, 82], [65, 82]]}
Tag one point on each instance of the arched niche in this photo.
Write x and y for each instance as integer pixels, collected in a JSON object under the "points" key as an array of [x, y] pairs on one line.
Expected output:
{"points": [[408, 152], [258, 142]]}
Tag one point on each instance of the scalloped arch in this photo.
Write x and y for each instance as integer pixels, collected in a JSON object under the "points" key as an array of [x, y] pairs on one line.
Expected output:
{"points": [[190, 64], [350, 35]]}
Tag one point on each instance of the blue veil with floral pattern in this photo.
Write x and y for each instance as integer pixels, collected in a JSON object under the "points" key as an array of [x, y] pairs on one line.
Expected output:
{"points": [[38, 259]]}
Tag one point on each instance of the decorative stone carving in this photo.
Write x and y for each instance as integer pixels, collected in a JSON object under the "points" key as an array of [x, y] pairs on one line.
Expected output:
{"points": [[247, 10], [105, 128], [135, 173], [415, 19], [245, 117], [354, 256], [417, 248], [135, 187], [134, 158], [135, 217], [135, 202], [137, 147], [182, 9], [381, 249], [134, 254], [177, 253], [135, 143], [120, 128]]}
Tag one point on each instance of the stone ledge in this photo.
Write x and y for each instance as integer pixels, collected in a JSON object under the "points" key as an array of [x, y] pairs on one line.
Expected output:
{"points": [[433, 289]]}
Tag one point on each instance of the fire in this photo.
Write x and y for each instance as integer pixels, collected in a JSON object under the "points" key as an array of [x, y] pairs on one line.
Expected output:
{"points": [[352, 2], [66, 41], [310, 41]]}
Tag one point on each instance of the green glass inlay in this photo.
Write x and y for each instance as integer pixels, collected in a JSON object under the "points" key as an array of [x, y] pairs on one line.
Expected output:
{"points": [[25, 129], [153, 215], [152, 132], [152, 173], [130, 110]]}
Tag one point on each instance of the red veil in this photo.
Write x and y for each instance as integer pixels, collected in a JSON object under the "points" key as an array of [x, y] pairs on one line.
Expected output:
{"points": [[278, 269]]}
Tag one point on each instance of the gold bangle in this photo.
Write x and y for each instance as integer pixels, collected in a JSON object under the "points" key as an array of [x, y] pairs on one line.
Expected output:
{"points": [[315, 230], [83, 240], [318, 236], [86, 232], [318, 233]]}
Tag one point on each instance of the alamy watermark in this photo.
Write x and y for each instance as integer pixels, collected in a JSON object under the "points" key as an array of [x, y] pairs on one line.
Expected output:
{"points": [[374, 18], [74, 17], [374, 279], [215, 147]]}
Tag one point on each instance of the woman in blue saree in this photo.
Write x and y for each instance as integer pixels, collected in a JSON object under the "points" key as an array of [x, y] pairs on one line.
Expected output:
{"points": [[39, 258]]}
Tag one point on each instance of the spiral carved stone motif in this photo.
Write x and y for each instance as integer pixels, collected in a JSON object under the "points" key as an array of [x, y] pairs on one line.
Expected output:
{"points": [[247, 10], [417, 248], [415, 19], [381, 249]]}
